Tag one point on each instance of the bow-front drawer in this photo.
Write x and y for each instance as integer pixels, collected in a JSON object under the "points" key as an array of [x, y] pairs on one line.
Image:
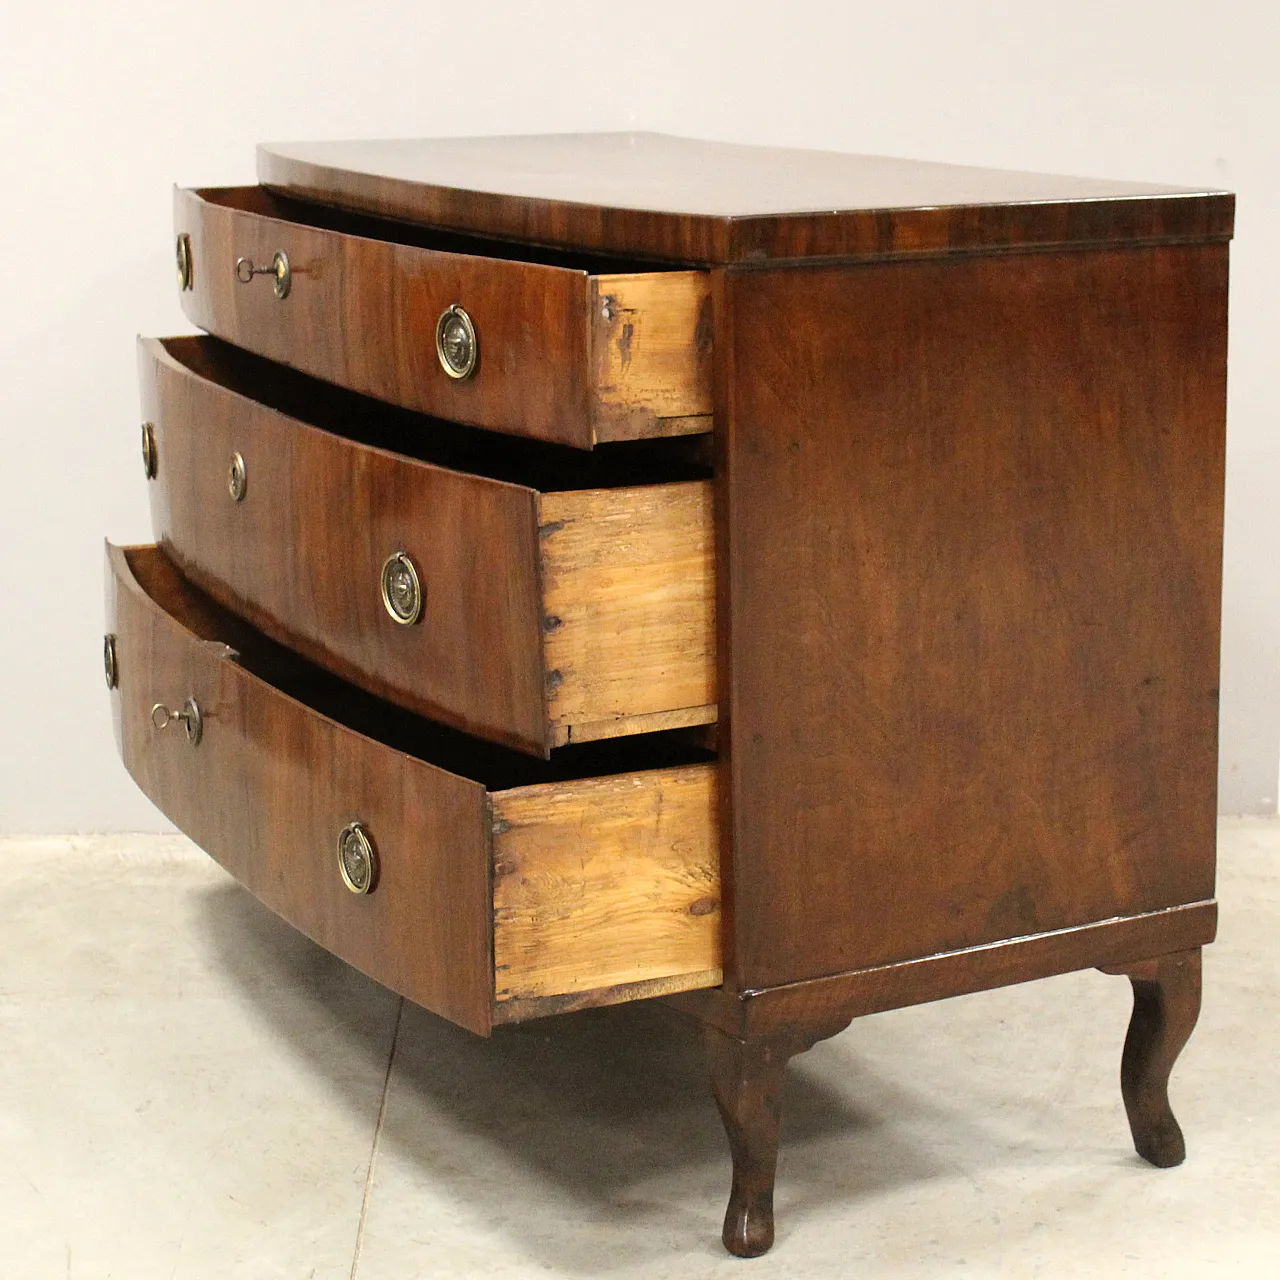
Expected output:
{"points": [[543, 343], [528, 614], [483, 884]]}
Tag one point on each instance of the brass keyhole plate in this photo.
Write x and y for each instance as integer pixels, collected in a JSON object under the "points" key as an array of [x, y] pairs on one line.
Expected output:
{"points": [[283, 274]]}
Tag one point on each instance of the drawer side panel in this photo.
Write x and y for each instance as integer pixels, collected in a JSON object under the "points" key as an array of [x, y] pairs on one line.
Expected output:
{"points": [[651, 354], [605, 883], [629, 592]]}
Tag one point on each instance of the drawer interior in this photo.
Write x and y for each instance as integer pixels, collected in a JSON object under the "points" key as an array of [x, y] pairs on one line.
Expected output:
{"points": [[537, 464], [498, 768], [266, 203]]}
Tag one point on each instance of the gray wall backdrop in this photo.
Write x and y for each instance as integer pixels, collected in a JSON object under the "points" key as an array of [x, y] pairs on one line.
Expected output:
{"points": [[102, 108]]}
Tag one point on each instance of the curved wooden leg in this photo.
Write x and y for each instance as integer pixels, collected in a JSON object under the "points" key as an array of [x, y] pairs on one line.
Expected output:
{"points": [[747, 1078], [1166, 1003]]}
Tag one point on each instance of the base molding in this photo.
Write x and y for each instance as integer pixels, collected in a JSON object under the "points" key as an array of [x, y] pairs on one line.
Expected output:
{"points": [[1101, 944]]}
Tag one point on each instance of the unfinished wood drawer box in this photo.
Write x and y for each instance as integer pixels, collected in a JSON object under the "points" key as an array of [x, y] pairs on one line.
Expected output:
{"points": [[546, 617], [573, 348], [495, 873]]}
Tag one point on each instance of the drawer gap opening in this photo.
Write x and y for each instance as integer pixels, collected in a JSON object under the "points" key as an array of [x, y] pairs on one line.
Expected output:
{"points": [[513, 459], [498, 768], [267, 203]]}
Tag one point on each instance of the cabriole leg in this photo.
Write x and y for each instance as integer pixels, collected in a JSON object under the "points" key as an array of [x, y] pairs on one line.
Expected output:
{"points": [[1166, 1003], [747, 1078]]}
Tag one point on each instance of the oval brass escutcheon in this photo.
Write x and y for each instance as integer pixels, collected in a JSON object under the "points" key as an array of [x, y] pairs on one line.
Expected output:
{"points": [[283, 275], [149, 460], [185, 273], [456, 343], [111, 670], [401, 588], [357, 858], [237, 478]]}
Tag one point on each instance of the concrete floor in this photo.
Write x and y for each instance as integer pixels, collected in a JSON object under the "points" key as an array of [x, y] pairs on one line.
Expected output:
{"points": [[191, 1090]]}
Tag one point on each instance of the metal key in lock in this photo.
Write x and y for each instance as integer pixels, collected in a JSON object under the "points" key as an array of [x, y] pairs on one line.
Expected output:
{"points": [[190, 715], [279, 269]]}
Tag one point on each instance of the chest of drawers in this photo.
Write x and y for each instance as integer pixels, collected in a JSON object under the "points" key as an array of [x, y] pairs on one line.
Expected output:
{"points": [[598, 568]]}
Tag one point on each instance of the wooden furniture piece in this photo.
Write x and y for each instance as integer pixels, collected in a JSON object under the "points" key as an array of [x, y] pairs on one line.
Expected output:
{"points": [[471, 653]]}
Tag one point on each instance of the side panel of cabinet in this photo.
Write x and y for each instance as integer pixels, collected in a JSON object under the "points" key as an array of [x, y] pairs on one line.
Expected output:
{"points": [[970, 524]]}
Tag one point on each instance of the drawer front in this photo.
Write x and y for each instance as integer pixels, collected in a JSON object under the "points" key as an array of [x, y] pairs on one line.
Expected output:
{"points": [[563, 355], [301, 553], [548, 618], [270, 786], [591, 890]]}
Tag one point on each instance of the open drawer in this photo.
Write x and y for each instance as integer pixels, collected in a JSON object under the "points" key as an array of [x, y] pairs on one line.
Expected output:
{"points": [[553, 596], [551, 344], [486, 885]]}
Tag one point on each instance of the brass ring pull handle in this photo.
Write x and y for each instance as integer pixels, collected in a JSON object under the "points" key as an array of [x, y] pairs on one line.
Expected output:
{"points": [[279, 269], [162, 717], [184, 261], [237, 478], [357, 859], [110, 663], [149, 463], [402, 593], [457, 345]]}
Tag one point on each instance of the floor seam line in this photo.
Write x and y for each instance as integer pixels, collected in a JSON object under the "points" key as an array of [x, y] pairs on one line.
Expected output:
{"points": [[377, 1137]]}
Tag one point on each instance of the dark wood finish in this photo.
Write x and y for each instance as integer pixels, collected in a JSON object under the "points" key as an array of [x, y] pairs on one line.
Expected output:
{"points": [[747, 1079], [714, 202], [1166, 1004], [969, 466], [364, 303], [514, 643], [971, 514], [290, 754], [998, 964], [271, 785], [301, 555]]}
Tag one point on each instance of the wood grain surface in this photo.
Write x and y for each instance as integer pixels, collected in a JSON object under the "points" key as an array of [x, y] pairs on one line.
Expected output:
{"points": [[628, 581], [272, 783], [605, 882], [606, 886], [621, 580], [971, 524], [301, 555], [366, 295], [1121, 941], [1166, 1006], [651, 352], [696, 201]]}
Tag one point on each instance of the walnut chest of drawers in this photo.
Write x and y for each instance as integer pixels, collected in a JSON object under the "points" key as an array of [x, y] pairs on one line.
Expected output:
{"points": [[606, 567]]}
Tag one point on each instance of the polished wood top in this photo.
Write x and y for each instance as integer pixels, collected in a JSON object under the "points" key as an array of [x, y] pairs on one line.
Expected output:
{"points": [[659, 196]]}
